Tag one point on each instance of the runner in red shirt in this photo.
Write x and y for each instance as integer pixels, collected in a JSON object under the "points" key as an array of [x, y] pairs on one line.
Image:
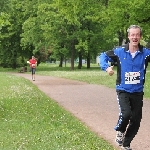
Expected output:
{"points": [[33, 63]]}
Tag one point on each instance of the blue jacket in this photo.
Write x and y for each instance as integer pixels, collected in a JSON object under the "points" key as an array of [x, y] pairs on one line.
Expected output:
{"points": [[130, 71]]}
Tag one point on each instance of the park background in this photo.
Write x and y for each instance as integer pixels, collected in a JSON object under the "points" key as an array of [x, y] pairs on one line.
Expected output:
{"points": [[66, 37], [67, 31]]}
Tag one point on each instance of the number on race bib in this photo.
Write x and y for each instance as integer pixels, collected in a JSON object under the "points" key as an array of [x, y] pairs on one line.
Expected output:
{"points": [[132, 77]]}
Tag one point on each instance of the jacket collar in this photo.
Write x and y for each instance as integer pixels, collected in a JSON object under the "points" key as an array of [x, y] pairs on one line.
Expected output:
{"points": [[126, 47]]}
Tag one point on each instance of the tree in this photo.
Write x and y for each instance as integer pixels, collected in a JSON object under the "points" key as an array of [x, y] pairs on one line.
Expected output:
{"points": [[11, 49], [119, 15]]}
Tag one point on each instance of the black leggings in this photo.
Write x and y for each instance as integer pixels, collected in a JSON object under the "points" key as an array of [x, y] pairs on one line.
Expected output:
{"points": [[130, 114], [33, 70]]}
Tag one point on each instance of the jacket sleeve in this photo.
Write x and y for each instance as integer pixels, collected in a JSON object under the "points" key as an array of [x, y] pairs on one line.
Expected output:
{"points": [[105, 58]]}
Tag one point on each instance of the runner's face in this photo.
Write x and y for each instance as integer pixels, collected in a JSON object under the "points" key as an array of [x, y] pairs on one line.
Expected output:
{"points": [[134, 36]]}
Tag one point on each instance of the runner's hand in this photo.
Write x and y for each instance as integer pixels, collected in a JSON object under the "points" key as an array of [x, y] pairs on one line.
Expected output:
{"points": [[110, 71]]}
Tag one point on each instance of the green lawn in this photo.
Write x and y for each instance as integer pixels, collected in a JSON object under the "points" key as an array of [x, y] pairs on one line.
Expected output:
{"points": [[29, 120]]}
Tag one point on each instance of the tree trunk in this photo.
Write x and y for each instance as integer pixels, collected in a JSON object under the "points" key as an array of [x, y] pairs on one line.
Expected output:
{"points": [[80, 61], [88, 60], [65, 62], [120, 37], [127, 40], [61, 61], [72, 54]]}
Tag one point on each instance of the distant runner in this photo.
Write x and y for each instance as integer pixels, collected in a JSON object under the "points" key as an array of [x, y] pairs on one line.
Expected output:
{"points": [[33, 64]]}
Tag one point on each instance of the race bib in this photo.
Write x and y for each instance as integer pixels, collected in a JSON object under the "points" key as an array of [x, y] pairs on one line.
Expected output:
{"points": [[132, 77], [33, 65]]}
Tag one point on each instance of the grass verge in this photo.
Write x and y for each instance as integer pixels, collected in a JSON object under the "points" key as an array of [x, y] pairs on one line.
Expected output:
{"points": [[32, 121]]}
